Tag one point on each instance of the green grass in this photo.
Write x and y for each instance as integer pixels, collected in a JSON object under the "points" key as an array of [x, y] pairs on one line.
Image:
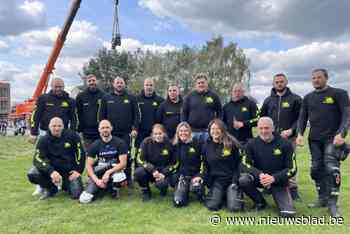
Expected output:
{"points": [[22, 213]]}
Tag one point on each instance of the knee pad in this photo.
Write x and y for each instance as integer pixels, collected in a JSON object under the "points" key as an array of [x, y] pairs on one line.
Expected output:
{"points": [[214, 198], [181, 193], [245, 180], [234, 197], [334, 179], [86, 197], [33, 175], [75, 188]]}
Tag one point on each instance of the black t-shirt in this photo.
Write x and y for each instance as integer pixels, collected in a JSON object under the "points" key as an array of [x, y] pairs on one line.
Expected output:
{"points": [[107, 151]]}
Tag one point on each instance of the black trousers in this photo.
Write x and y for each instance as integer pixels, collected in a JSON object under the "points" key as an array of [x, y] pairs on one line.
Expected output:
{"points": [[325, 167], [144, 177], [223, 190], [280, 194], [73, 187], [128, 170], [183, 186]]}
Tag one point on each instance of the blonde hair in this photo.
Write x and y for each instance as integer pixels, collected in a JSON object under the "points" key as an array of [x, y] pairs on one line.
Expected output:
{"points": [[177, 138], [161, 127]]}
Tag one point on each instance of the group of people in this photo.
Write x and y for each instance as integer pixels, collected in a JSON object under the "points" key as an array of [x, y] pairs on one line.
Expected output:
{"points": [[193, 144]]}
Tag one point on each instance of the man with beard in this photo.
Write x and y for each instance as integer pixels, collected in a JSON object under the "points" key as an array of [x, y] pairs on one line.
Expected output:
{"points": [[240, 114], [120, 108], [200, 107], [88, 105], [106, 161], [283, 107], [148, 102], [59, 161], [328, 111], [169, 112]]}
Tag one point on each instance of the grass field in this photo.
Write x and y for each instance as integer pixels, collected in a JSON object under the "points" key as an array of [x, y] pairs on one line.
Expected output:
{"points": [[22, 213]]}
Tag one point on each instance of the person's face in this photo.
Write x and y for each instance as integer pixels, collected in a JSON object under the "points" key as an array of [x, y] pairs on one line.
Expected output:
{"points": [[184, 134], [319, 80], [173, 92], [280, 83], [58, 87], [92, 83], [119, 84], [265, 130], [105, 129], [158, 135], [237, 92], [201, 85], [56, 127], [215, 132], [148, 87]]}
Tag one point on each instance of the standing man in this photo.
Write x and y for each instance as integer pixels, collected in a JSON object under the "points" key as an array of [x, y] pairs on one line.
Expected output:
{"points": [[88, 105], [120, 108], [283, 107], [240, 114], [169, 112], [200, 107], [56, 103], [269, 163], [148, 102], [59, 161], [328, 111], [106, 161]]}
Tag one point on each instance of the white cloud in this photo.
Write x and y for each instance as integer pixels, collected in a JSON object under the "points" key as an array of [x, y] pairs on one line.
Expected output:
{"points": [[251, 18], [17, 16], [132, 45]]}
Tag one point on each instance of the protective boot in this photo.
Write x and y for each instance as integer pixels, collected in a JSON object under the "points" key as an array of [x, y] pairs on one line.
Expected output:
{"points": [[322, 197], [332, 206]]}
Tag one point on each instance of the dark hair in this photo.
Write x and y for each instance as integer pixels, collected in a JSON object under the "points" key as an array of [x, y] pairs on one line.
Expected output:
{"points": [[227, 139], [324, 71], [280, 74]]}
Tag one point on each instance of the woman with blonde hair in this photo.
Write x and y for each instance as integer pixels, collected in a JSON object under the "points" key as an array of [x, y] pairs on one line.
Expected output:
{"points": [[156, 162], [189, 175]]}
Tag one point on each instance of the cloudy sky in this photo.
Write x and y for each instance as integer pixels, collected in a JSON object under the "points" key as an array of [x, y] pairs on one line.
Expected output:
{"points": [[277, 35]]}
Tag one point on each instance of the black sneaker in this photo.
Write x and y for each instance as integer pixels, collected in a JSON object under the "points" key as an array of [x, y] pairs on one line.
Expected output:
{"points": [[146, 195]]}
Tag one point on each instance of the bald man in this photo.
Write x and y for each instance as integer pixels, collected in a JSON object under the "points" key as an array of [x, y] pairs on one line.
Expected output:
{"points": [[148, 102], [240, 114], [56, 103], [269, 162], [105, 165], [59, 161]]}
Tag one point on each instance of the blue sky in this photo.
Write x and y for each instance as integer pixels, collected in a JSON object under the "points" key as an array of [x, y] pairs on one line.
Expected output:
{"points": [[277, 35]]}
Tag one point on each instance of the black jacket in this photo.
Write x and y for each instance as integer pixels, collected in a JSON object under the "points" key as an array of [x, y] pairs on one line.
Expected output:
{"points": [[283, 110], [200, 108], [148, 110], [49, 106], [121, 111], [62, 154], [275, 158], [88, 106], [169, 114], [328, 112], [189, 158], [221, 163], [157, 156], [243, 110]]}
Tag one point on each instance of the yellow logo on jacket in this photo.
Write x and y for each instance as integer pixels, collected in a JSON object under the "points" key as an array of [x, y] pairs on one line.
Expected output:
{"points": [[155, 104], [192, 150], [226, 152], [126, 101], [65, 104], [328, 100], [244, 109], [285, 105], [209, 100], [67, 145], [277, 152], [165, 152]]}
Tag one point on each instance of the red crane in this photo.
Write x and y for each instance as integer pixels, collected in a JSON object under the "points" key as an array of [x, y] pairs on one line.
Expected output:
{"points": [[24, 110]]}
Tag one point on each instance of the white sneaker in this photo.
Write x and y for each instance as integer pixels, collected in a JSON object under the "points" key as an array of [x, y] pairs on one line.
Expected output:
{"points": [[38, 191], [85, 197]]}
